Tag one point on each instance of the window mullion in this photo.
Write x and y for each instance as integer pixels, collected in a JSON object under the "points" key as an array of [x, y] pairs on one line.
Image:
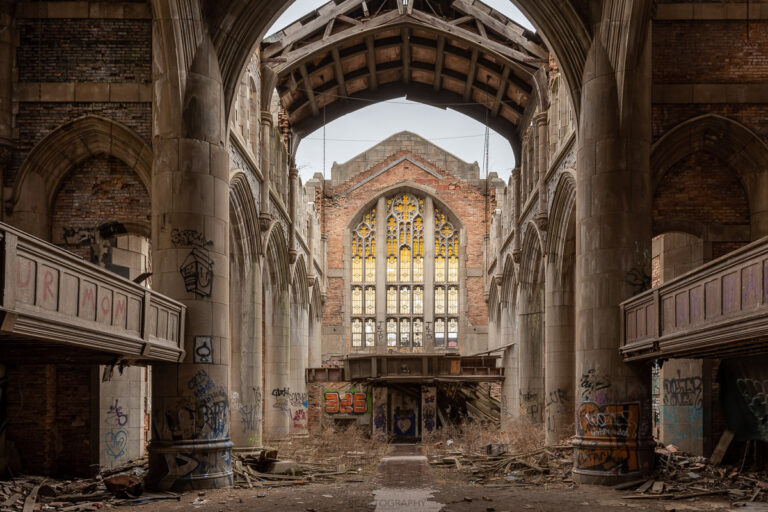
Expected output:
{"points": [[429, 270]]}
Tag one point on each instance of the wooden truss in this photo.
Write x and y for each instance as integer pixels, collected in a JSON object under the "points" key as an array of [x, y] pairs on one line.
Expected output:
{"points": [[456, 53]]}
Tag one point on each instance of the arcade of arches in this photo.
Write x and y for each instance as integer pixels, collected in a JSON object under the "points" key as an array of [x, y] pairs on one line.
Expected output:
{"points": [[170, 285]]}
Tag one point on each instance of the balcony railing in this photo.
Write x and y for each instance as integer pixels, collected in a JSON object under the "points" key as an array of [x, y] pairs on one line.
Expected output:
{"points": [[716, 310], [52, 296]]}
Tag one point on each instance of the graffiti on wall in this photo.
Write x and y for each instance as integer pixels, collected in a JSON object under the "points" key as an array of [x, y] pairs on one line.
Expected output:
{"points": [[345, 403], [197, 267], [611, 432], [555, 405], [529, 405], [380, 411], [683, 391], [249, 410], [116, 439], [592, 384], [744, 396]]}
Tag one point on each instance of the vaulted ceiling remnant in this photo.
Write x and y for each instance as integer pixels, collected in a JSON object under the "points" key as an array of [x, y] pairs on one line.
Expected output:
{"points": [[456, 53]]}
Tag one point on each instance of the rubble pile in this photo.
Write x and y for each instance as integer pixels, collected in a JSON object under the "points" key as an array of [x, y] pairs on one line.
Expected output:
{"points": [[497, 465], [680, 476], [113, 487]]}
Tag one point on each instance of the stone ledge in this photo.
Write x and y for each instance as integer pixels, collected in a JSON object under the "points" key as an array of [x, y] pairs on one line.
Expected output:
{"points": [[710, 93], [722, 11], [83, 92], [83, 9]]}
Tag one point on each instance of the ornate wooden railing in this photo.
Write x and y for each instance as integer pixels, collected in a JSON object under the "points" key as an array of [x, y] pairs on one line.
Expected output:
{"points": [[716, 310], [53, 296]]}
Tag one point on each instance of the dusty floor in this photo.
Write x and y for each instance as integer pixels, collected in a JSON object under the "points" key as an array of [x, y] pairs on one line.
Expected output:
{"points": [[404, 482]]}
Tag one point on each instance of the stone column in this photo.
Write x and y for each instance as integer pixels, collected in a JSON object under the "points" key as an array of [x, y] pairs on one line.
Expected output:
{"points": [[559, 377], [277, 367], [293, 191], [530, 347], [381, 275], [613, 226], [191, 448], [516, 247], [429, 273], [542, 164], [759, 206], [265, 217]]}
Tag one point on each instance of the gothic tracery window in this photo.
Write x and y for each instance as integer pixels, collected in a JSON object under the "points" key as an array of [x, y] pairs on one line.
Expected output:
{"points": [[446, 282], [404, 323], [363, 282]]}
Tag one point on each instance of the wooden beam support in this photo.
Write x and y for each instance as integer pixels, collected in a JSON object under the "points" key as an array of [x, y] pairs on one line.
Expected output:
{"points": [[308, 90], [471, 75], [406, 53], [481, 28], [459, 21], [500, 93], [339, 71], [329, 28], [349, 20], [439, 60], [373, 80], [309, 28], [513, 33]]}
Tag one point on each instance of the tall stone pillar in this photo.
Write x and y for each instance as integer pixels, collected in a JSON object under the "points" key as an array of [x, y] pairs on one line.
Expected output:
{"points": [[277, 366], [613, 227], [542, 165], [265, 217], [516, 209], [558, 356], [191, 447], [530, 346]]}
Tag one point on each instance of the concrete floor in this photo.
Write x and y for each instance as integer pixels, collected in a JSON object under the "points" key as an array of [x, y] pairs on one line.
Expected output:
{"points": [[405, 482]]}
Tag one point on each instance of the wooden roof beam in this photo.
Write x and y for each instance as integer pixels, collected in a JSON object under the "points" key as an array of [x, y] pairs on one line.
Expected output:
{"points": [[410, 6], [503, 29], [308, 29], [439, 60], [471, 75], [500, 93], [308, 90], [339, 71], [406, 53], [373, 81]]}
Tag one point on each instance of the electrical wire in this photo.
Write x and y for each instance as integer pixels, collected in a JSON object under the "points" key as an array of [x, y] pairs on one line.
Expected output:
{"points": [[324, 139], [412, 103]]}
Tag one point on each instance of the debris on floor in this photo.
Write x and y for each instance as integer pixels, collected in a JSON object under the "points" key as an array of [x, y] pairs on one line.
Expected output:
{"points": [[121, 485], [679, 476]]}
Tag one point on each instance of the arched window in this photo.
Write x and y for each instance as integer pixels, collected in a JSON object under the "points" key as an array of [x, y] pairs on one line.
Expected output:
{"points": [[364, 282], [413, 277]]}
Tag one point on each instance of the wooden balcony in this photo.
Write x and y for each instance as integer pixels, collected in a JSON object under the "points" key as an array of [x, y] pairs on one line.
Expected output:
{"points": [[422, 368], [58, 307], [717, 310]]}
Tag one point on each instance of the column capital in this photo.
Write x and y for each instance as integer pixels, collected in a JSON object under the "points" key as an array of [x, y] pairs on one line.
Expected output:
{"points": [[266, 118], [540, 118], [293, 173]]}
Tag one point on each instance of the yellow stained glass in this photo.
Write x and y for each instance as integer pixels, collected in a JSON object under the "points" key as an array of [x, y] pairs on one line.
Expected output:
{"points": [[405, 264], [439, 332], [418, 329], [370, 269], [357, 300], [453, 300], [392, 300], [405, 332], [418, 301], [370, 300], [391, 332], [453, 269], [391, 269], [357, 269], [439, 300], [357, 332], [370, 332], [440, 269], [405, 300], [418, 269]]}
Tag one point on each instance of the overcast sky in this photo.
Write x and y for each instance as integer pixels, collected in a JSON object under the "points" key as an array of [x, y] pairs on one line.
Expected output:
{"points": [[354, 133]]}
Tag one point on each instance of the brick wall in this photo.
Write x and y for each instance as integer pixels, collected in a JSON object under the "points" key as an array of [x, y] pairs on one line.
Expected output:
{"points": [[702, 188], [84, 50], [467, 201], [49, 418], [102, 189]]}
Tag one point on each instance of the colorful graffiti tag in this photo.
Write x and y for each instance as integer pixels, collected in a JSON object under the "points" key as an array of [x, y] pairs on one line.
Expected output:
{"points": [[611, 432], [345, 403]]}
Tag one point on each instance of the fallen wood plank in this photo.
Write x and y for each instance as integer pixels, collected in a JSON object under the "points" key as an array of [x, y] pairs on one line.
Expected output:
{"points": [[703, 493], [721, 448], [29, 503], [629, 485], [647, 496], [643, 488]]}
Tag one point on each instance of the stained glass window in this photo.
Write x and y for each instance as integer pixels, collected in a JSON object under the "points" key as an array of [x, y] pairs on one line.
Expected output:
{"points": [[405, 270], [364, 271], [446, 273]]}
